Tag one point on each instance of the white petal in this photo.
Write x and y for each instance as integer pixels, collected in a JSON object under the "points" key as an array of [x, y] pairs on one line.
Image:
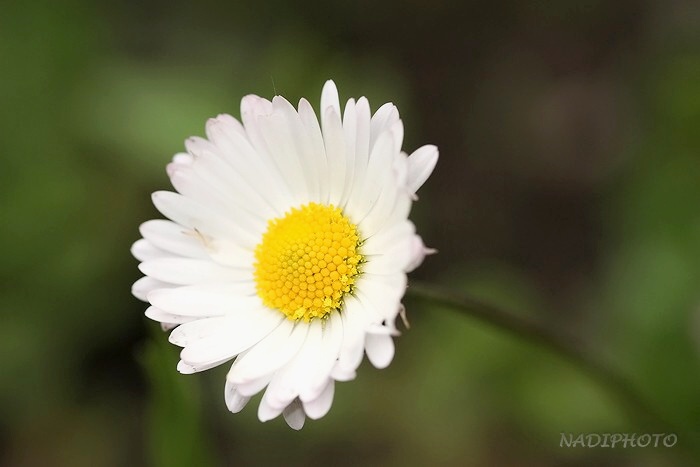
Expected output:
{"points": [[285, 385], [270, 354], [360, 145], [234, 400], [301, 146], [383, 119], [231, 338], [397, 131], [174, 238], [329, 98], [340, 374], [331, 343], [388, 329], [401, 172], [320, 406], [350, 354], [380, 161], [383, 291], [394, 259], [383, 207], [420, 165], [380, 349], [266, 411], [156, 314], [235, 188], [276, 134], [398, 213], [231, 327], [181, 159], [252, 168], [254, 106], [189, 184], [228, 253], [418, 253], [187, 271], [254, 111], [204, 299], [230, 125], [197, 330], [294, 415], [350, 131], [368, 312], [143, 250], [253, 387], [190, 213], [231, 198], [334, 141], [383, 240], [187, 369], [146, 285], [317, 150]]}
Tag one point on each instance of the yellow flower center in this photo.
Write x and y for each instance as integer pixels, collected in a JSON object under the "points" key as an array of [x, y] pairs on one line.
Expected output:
{"points": [[307, 261]]}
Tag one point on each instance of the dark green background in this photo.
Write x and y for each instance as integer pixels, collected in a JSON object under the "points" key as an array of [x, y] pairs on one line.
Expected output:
{"points": [[567, 189]]}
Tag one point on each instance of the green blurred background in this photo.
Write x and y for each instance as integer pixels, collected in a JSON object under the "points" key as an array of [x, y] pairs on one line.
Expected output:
{"points": [[567, 190]]}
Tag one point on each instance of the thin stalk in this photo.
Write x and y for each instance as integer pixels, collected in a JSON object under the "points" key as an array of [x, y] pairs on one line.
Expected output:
{"points": [[567, 347]]}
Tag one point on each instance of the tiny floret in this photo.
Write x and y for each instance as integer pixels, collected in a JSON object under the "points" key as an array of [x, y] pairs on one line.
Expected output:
{"points": [[307, 261]]}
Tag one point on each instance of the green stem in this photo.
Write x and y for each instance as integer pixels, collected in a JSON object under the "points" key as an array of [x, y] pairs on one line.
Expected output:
{"points": [[567, 347]]}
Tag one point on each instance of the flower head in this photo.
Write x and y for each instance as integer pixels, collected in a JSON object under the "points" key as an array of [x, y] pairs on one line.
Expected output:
{"points": [[287, 248]]}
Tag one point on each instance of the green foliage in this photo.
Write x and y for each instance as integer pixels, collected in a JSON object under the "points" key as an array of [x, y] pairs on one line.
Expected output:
{"points": [[176, 435]]}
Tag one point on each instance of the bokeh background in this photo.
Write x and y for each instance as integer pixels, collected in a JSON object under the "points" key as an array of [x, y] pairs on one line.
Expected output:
{"points": [[567, 191]]}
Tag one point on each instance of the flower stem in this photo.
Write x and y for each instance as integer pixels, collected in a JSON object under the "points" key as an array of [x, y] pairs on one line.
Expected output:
{"points": [[567, 347]]}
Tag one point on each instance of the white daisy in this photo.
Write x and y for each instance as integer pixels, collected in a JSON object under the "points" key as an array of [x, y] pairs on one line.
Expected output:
{"points": [[287, 248]]}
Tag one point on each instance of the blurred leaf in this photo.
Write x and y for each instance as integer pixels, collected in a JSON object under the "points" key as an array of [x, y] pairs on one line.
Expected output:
{"points": [[176, 436]]}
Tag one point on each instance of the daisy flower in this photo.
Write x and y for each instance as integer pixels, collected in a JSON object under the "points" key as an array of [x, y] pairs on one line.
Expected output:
{"points": [[287, 248]]}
